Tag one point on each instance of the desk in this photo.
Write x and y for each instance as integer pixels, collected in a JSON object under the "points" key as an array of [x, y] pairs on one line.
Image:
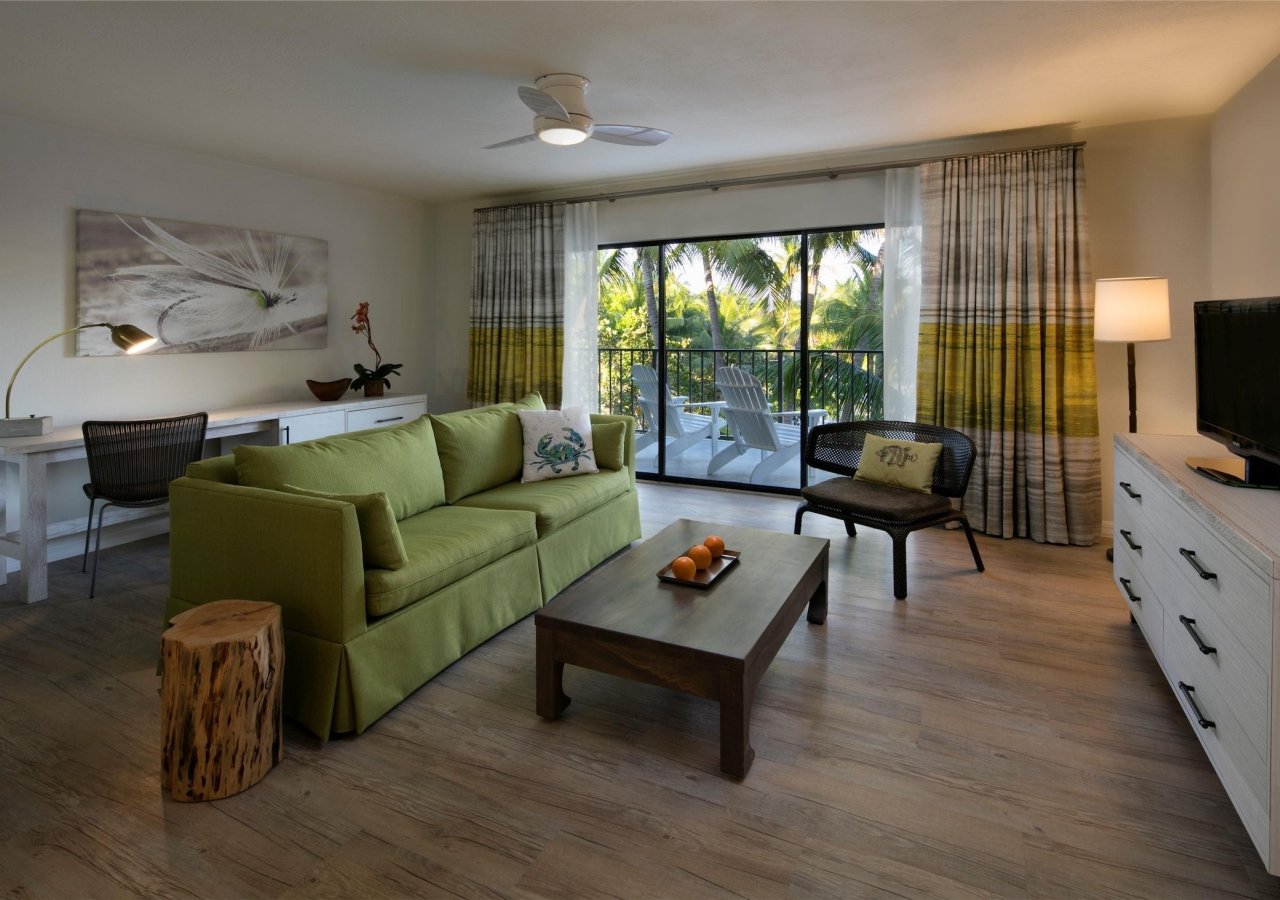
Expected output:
{"points": [[27, 459]]}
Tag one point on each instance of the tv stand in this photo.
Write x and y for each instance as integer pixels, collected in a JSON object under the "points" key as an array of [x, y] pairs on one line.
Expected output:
{"points": [[1235, 471]]}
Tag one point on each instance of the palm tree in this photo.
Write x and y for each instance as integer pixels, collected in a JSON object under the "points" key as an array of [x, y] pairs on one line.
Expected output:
{"points": [[633, 271]]}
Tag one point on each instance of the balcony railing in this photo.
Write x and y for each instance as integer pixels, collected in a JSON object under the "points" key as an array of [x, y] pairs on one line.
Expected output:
{"points": [[847, 383]]}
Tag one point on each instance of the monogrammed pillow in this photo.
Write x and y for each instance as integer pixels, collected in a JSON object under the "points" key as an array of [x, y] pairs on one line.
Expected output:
{"points": [[904, 464]]}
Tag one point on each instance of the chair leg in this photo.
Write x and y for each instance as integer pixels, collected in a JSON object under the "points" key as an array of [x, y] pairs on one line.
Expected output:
{"points": [[88, 531], [899, 565], [800, 511], [97, 545], [973, 545], [849, 528]]}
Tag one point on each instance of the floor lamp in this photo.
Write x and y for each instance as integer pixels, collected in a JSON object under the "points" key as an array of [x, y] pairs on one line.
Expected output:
{"points": [[1131, 311]]}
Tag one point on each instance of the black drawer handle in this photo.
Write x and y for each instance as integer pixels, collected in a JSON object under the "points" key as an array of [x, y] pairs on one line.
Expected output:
{"points": [[286, 434], [390, 419], [1128, 489], [1126, 584], [1128, 539], [1187, 691], [1190, 625], [1190, 556]]}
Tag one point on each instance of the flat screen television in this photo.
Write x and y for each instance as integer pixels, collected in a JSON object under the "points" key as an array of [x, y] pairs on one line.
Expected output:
{"points": [[1238, 385]]}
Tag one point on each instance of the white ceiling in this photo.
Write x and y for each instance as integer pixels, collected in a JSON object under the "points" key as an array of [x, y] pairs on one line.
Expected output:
{"points": [[400, 96]]}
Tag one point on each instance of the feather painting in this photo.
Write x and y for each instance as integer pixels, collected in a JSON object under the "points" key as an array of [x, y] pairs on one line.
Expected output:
{"points": [[199, 288]]}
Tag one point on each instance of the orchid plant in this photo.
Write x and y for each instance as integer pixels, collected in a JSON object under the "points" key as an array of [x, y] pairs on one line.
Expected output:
{"points": [[380, 370]]}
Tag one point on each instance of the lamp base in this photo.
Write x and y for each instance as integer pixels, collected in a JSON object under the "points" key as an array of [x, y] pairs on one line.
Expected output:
{"points": [[31, 426]]}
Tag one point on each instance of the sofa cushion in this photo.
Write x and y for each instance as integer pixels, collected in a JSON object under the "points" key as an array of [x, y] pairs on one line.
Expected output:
{"points": [[401, 462], [609, 440], [444, 545], [380, 542], [556, 502], [557, 444], [878, 501], [480, 448]]}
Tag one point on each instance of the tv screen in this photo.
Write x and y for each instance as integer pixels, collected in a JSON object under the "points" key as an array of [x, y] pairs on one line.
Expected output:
{"points": [[1238, 377]]}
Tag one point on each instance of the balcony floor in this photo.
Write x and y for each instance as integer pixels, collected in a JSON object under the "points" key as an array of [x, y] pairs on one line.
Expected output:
{"points": [[692, 463]]}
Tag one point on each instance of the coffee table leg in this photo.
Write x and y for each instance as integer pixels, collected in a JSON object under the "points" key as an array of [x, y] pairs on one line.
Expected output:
{"points": [[735, 724], [818, 604], [552, 699]]}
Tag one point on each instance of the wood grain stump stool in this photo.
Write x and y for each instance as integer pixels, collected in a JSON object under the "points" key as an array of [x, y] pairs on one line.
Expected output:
{"points": [[223, 672]]}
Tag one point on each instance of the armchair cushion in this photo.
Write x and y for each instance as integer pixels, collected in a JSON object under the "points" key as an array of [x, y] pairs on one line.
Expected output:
{"points": [[876, 501], [380, 541], [900, 463], [400, 461]]}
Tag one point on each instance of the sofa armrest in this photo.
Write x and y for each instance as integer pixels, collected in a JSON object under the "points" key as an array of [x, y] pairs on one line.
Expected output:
{"points": [[228, 541], [629, 447]]}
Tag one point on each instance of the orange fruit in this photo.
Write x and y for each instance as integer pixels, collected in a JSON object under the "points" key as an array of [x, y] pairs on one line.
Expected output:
{"points": [[684, 568], [715, 544], [700, 555]]}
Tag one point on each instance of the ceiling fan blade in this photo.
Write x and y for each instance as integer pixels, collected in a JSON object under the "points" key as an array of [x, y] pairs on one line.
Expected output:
{"points": [[542, 103], [511, 143], [631, 135]]}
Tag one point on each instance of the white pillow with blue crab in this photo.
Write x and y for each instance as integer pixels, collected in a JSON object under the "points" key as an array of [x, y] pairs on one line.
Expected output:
{"points": [[557, 443]]}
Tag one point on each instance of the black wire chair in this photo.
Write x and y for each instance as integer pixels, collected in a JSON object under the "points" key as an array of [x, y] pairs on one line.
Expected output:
{"points": [[837, 447], [132, 463]]}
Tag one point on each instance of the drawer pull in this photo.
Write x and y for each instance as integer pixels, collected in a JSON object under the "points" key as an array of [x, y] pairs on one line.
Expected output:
{"points": [[1126, 584], [1190, 556], [1190, 625], [1128, 539], [1187, 691], [1128, 489], [286, 433], [388, 419]]}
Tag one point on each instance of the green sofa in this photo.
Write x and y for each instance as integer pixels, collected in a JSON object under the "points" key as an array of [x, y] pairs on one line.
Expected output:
{"points": [[481, 550]]}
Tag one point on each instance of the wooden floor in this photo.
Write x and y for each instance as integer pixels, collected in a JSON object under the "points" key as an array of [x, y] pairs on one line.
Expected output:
{"points": [[1000, 734]]}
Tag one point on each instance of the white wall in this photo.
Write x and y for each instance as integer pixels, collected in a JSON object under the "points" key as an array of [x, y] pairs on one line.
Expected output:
{"points": [[379, 250], [1245, 212]]}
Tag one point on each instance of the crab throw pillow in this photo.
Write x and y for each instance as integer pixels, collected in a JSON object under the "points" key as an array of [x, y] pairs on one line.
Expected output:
{"points": [[557, 443]]}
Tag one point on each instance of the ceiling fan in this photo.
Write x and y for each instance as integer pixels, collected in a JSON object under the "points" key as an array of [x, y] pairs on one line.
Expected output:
{"points": [[561, 117]]}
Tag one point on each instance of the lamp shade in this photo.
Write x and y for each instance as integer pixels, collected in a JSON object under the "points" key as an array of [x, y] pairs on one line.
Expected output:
{"points": [[130, 338], [1131, 310]]}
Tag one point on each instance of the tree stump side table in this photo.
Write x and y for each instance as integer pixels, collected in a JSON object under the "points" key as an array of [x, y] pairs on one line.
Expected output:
{"points": [[223, 668]]}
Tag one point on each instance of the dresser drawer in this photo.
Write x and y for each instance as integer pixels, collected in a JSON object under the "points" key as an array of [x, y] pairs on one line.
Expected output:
{"points": [[384, 416], [1136, 491], [1223, 582], [1143, 600]]}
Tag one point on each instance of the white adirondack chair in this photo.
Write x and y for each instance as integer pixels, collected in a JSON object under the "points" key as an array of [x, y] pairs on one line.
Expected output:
{"points": [[684, 429], [755, 426]]}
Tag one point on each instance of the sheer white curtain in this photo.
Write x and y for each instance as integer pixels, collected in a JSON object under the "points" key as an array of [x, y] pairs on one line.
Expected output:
{"points": [[581, 308], [903, 237]]}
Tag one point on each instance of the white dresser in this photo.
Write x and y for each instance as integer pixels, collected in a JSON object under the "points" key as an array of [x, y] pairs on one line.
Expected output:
{"points": [[1197, 563], [356, 414]]}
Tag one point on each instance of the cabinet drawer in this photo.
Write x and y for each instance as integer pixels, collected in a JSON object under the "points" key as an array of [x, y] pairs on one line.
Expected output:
{"points": [[1142, 600], [309, 427], [1242, 769], [1136, 491], [1223, 582], [384, 416]]}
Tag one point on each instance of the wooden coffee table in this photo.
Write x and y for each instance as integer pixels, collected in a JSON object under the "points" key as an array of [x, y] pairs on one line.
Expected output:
{"points": [[714, 643]]}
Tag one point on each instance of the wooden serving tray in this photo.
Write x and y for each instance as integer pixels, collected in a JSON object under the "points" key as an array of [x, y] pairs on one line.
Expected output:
{"points": [[705, 577]]}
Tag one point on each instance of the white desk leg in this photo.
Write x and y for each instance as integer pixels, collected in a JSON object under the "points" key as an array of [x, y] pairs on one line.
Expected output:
{"points": [[33, 580], [4, 518]]}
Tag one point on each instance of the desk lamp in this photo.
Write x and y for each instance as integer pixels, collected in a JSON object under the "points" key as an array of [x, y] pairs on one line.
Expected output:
{"points": [[129, 338]]}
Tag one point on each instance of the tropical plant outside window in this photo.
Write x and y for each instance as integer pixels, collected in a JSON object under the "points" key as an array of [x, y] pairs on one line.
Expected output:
{"points": [[801, 312]]}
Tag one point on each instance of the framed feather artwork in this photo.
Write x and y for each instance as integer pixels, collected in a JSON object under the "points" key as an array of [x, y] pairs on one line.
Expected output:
{"points": [[199, 288]]}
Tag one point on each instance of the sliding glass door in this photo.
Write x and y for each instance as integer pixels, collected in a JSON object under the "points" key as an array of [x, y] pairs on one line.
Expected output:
{"points": [[727, 350]]}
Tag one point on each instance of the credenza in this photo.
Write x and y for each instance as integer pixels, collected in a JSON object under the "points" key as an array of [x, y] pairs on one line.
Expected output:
{"points": [[25, 529], [1197, 564]]}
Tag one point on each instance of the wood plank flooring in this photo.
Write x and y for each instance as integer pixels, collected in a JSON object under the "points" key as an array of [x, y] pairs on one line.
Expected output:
{"points": [[1005, 734]]}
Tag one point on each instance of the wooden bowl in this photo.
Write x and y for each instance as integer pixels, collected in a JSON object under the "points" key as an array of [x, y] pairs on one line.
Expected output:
{"points": [[329, 390]]}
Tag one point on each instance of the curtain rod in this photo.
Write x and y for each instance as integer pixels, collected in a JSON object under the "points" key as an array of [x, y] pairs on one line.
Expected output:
{"points": [[831, 172]]}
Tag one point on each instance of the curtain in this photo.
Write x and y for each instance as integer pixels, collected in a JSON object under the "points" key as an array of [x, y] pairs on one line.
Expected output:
{"points": [[581, 308], [517, 303], [902, 237], [1006, 338]]}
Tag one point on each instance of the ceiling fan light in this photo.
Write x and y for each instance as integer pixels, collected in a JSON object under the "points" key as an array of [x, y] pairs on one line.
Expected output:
{"points": [[562, 136]]}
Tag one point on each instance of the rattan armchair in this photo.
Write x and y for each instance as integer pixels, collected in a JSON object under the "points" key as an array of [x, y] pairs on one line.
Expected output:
{"points": [[837, 448], [132, 463]]}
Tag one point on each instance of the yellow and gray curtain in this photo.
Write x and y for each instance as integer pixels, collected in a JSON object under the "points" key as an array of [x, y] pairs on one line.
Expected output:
{"points": [[517, 303], [1006, 338]]}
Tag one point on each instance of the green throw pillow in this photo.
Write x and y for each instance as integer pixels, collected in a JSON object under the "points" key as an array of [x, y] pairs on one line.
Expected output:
{"points": [[609, 440], [481, 448], [400, 461], [379, 534], [904, 464]]}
